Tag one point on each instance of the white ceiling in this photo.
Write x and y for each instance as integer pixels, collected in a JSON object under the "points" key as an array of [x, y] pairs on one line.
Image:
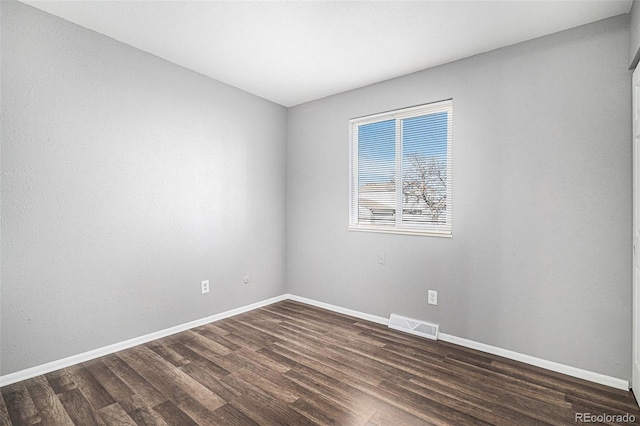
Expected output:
{"points": [[291, 52]]}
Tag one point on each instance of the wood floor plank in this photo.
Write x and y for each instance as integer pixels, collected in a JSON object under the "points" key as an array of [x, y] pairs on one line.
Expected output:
{"points": [[210, 343], [425, 408], [342, 336], [419, 351], [320, 411], [210, 381], [315, 387], [4, 414], [301, 329], [486, 383], [436, 375], [222, 340], [230, 416], [248, 338], [210, 328], [284, 361], [146, 395], [61, 380], [299, 311], [200, 413], [290, 335], [50, 409], [118, 389], [79, 409], [327, 365], [394, 338], [239, 385], [269, 387], [384, 361], [463, 402], [173, 415], [95, 393], [557, 414], [170, 380], [499, 382], [365, 368], [20, 406], [263, 410], [394, 416], [223, 363], [505, 417], [115, 415], [165, 351], [290, 363], [201, 361], [152, 369], [258, 358], [146, 416], [562, 383]]}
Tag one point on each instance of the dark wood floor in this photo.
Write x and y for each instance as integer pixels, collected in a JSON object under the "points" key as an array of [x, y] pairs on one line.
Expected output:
{"points": [[291, 363]]}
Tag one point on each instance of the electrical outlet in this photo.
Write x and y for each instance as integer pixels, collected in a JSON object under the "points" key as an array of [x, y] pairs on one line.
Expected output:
{"points": [[381, 258], [433, 297], [205, 286]]}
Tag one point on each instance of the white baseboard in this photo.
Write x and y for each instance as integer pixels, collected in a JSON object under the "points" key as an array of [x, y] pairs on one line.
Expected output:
{"points": [[340, 310], [106, 350], [505, 353]]}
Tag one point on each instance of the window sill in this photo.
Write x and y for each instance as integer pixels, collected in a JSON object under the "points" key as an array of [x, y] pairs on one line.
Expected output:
{"points": [[385, 230]]}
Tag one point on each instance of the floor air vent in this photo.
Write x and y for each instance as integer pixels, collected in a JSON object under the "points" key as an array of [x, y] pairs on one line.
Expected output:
{"points": [[419, 328]]}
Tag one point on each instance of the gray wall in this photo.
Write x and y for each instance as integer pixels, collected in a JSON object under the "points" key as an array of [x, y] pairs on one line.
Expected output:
{"points": [[126, 180], [634, 34], [540, 259]]}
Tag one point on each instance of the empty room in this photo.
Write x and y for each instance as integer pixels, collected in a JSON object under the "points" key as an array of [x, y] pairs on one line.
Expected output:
{"points": [[319, 212]]}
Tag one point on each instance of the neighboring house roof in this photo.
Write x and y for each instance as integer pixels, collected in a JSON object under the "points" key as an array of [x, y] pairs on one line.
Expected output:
{"points": [[372, 197]]}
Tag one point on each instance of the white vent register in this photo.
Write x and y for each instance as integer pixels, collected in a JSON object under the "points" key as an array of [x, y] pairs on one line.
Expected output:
{"points": [[419, 328]]}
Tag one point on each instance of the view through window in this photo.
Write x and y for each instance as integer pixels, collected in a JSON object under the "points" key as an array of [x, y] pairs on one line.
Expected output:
{"points": [[401, 171]]}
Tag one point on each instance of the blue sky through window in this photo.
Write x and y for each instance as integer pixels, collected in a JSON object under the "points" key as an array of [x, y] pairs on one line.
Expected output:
{"points": [[425, 135], [376, 152]]}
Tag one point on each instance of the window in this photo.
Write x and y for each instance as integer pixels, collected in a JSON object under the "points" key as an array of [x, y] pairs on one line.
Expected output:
{"points": [[400, 171]]}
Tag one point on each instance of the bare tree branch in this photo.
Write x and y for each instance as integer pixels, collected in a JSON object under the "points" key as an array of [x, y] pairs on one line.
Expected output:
{"points": [[424, 187]]}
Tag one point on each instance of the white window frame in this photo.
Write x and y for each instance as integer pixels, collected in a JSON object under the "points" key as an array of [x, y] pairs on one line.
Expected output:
{"points": [[399, 227]]}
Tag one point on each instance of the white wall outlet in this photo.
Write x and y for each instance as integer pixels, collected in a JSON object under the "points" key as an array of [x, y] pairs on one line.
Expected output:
{"points": [[433, 297], [381, 258], [205, 286]]}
